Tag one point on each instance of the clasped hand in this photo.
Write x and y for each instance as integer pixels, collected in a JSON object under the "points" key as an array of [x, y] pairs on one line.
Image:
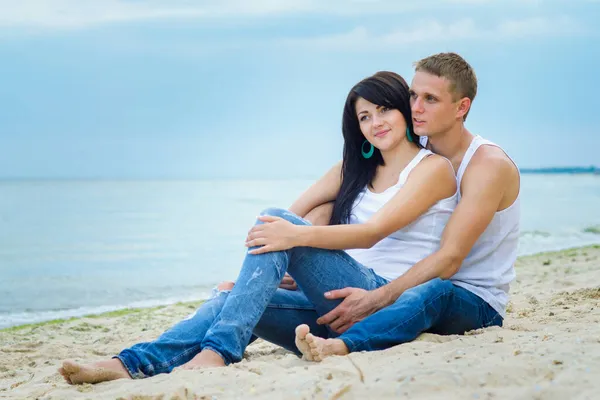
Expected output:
{"points": [[275, 234]]}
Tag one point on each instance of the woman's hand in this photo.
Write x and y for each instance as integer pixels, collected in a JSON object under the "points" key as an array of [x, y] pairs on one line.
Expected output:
{"points": [[274, 235]]}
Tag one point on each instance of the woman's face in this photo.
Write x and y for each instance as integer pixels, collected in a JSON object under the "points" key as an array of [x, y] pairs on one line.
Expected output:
{"points": [[383, 127]]}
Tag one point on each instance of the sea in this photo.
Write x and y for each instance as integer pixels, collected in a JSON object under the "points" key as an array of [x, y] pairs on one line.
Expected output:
{"points": [[76, 247]]}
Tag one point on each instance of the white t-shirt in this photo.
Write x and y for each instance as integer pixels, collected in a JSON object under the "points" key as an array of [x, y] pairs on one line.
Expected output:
{"points": [[488, 269], [397, 253]]}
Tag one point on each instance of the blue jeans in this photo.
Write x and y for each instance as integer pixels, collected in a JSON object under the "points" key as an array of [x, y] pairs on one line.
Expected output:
{"points": [[255, 306], [437, 306]]}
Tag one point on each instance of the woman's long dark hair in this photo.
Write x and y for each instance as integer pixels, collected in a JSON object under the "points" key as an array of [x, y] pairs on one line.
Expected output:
{"points": [[386, 89]]}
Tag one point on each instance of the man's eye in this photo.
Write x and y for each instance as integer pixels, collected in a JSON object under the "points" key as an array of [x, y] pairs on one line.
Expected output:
{"points": [[430, 98]]}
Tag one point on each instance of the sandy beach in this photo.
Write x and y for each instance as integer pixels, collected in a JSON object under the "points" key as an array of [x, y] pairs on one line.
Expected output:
{"points": [[549, 348]]}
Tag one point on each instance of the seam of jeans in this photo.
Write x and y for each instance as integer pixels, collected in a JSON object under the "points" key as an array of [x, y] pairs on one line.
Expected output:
{"points": [[291, 307], [490, 320], [136, 375], [175, 359], [404, 322], [348, 342], [225, 359]]}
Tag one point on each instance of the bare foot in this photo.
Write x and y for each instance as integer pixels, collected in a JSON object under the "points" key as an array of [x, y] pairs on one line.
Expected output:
{"points": [[206, 359], [315, 348], [301, 344], [108, 370]]}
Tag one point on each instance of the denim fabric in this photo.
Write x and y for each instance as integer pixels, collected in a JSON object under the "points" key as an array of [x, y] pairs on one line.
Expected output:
{"points": [[437, 306], [314, 270], [182, 342], [254, 307]]}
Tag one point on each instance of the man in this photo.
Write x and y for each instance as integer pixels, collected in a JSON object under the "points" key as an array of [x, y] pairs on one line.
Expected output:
{"points": [[464, 284]]}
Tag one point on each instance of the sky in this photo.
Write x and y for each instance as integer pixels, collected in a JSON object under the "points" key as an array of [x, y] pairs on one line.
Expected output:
{"points": [[174, 89]]}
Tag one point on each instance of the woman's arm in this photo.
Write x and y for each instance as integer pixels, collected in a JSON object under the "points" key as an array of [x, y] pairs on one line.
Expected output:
{"points": [[322, 191], [431, 181]]}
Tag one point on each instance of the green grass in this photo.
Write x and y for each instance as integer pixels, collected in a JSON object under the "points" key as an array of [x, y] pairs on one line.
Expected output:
{"points": [[139, 311], [593, 229], [21, 327], [85, 326], [571, 252]]}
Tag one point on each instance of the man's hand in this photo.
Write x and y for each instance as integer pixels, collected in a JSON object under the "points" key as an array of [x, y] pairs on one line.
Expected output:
{"points": [[288, 283], [358, 304]]}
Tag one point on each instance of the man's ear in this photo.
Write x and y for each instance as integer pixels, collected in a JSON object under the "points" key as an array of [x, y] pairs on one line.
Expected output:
{"points": [[464, 105]]}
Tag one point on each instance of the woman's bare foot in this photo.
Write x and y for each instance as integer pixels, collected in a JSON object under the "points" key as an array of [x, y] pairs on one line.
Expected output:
{"points": [[205, 359], [108, 370], [315, 348]]}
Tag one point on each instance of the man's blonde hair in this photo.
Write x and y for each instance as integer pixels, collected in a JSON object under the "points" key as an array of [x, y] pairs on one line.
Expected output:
{"points": [[463, 82]]}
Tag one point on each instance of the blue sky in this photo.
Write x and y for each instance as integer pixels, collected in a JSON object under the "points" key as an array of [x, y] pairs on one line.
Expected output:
{"points": [[255, 89]]}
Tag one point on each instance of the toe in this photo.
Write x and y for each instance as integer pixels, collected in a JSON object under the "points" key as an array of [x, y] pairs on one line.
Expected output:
{"points": [[70, 367], [302, 331]]}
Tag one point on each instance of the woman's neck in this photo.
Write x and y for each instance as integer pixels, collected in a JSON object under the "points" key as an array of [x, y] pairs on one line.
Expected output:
{"points": [[399, 157]]}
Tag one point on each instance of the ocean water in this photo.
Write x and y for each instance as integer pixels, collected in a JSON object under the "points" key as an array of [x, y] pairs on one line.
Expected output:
{"points": [[70, 248]]}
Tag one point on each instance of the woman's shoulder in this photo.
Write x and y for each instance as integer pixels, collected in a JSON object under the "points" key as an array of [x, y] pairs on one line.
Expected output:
{"points": [[436, 164], [435, 169]]}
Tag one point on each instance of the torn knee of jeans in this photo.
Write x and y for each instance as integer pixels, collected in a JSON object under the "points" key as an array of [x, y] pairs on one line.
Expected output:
{"points": [[221, 288], [224, 286]]}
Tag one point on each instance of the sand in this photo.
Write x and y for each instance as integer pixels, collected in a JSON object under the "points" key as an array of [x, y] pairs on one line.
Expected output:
{"points": [[549, 348]]}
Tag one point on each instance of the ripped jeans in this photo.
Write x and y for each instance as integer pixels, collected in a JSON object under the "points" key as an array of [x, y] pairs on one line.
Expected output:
{"points": [[255, 307]]}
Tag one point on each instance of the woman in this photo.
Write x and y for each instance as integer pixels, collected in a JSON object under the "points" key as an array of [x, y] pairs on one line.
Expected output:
{"points": [[392, 201]]}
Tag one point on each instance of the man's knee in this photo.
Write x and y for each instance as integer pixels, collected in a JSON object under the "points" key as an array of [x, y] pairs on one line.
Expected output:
{"points": [[434, 287]]}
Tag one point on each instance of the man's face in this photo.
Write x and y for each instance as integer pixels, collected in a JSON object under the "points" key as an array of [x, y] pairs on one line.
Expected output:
{"points": [[434, 110]]}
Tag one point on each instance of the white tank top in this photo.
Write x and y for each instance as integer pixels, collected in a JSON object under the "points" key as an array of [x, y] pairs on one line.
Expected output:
{"points": [[397, 253], [488, 269]]}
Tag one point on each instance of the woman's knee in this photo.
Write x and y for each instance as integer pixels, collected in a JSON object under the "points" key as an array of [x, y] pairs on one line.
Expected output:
{"points": [[285, 214]]}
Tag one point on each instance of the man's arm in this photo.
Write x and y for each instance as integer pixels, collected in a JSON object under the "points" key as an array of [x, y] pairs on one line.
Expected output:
{"points": [[490, 176], [488, 179]]}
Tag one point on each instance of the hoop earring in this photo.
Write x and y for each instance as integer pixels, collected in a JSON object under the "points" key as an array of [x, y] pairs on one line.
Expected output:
{"points": [[368, 154], [410, 139]]}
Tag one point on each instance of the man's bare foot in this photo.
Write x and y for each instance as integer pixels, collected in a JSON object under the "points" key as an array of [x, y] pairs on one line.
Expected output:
{"points": [[108, 370], [301, 343], [206, 359], [315, 348]]}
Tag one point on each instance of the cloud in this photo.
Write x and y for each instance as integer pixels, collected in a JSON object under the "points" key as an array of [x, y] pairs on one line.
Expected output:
{"points": [[77, 14], [538, 26], [434, 31]]}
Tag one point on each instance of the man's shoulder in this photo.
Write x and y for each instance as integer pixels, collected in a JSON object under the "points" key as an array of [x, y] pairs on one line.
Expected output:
{"points": [[490, 168], [492, 159]]}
